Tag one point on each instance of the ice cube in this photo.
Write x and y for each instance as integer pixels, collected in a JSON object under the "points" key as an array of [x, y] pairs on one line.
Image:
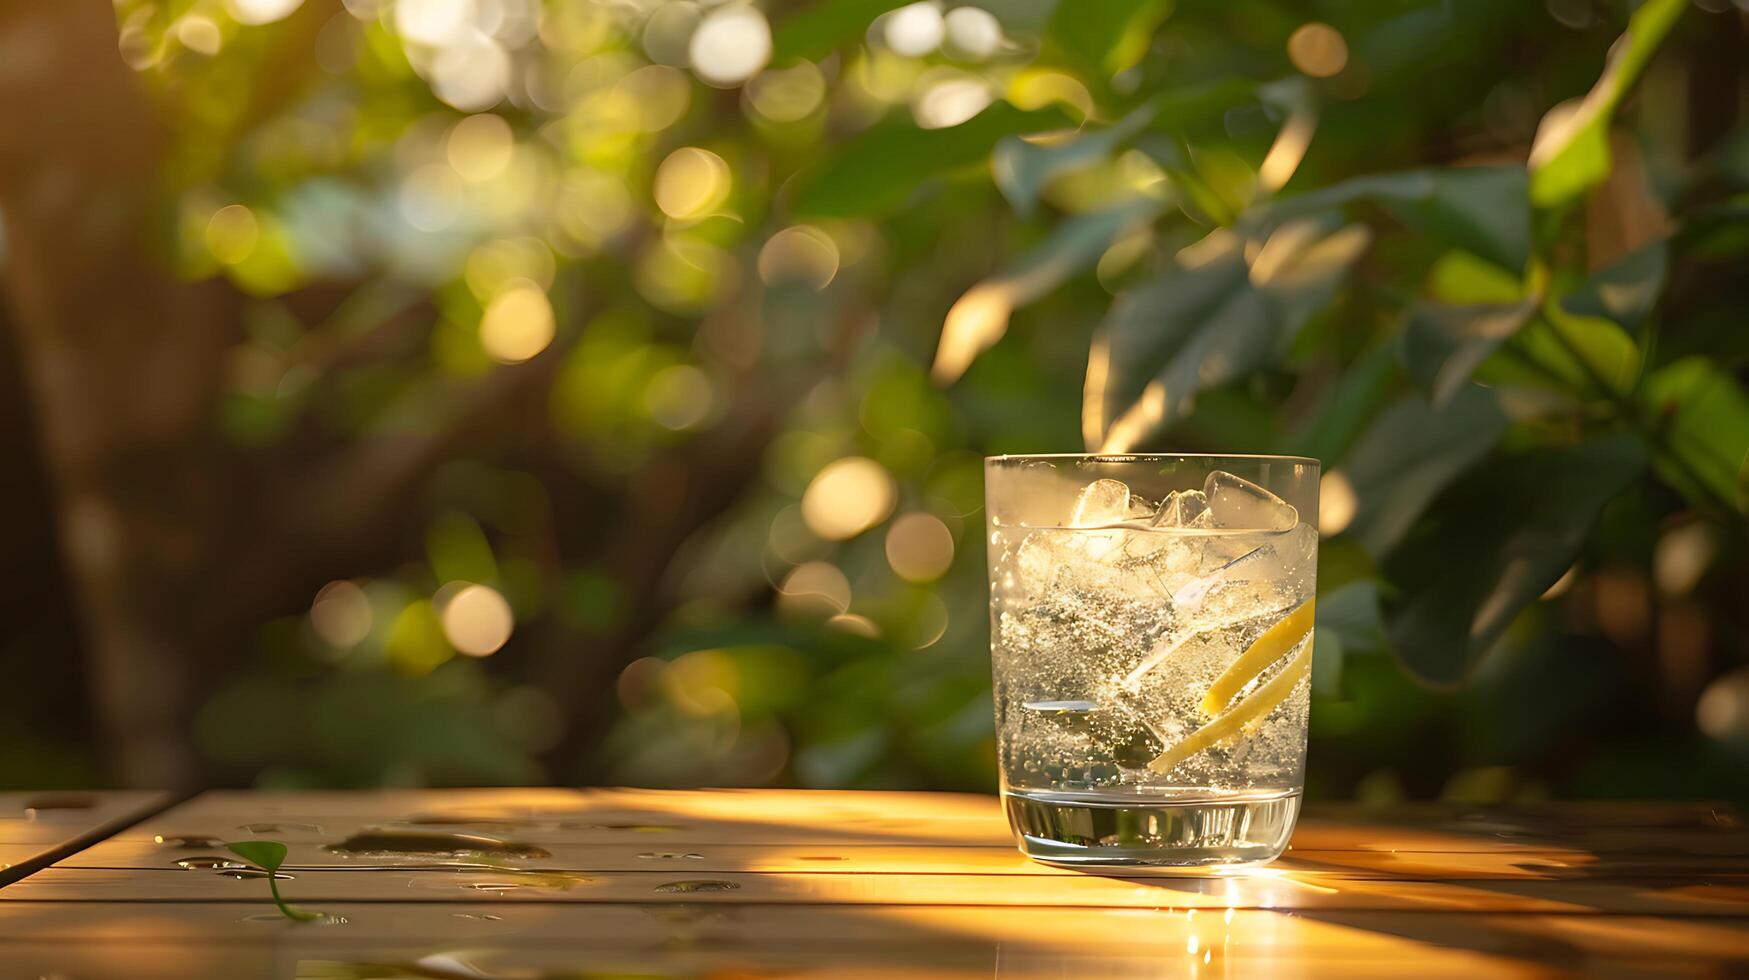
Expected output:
{"points": [[1101, 502], [1237, 503], [1184, 508], [1277, 566]]}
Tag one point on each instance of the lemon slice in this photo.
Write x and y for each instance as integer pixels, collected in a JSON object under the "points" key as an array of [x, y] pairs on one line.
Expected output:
{"points": [[1262, 701], [1275, 642]]}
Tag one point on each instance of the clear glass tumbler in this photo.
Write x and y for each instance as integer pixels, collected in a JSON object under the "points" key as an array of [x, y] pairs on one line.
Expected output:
{"points": [[1151, 641]]}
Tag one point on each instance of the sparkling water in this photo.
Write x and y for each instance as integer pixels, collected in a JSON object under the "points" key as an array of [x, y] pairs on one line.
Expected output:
{"points": [[1151, 665]]}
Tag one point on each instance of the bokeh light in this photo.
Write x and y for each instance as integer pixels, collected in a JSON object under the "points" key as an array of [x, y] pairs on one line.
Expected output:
{"points": [[480, 147], [341, 614], [470, 74], [973, 33], [848, 497], [787, 95], [679, 397], [919, 547], [691, 183], [232, 234], [476, 620], [1337, 503], [855, 624], [428, 197], [1723, 709], [517, 324], [261, 11], [946, 97], [656, 95], [199, 34], [1681, 557], [1318, 50], [815, 589], [730, 45], [801, 254], [914, 30]]}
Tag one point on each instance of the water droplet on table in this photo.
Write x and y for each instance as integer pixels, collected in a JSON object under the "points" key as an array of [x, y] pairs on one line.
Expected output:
{"points": [[699, 885], [188, 842], [281, 828], [247, 873], [210, 862], [393, 842]]}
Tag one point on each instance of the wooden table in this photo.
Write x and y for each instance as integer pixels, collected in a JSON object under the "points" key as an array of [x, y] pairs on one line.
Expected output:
{"points": [[764, 883]]}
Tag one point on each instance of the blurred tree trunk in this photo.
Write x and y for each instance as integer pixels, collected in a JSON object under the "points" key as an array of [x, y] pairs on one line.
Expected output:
{"points": [[123, 363]]}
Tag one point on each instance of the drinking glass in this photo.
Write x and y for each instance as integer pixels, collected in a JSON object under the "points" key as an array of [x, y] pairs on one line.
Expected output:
{"points": [[1151, 643]]}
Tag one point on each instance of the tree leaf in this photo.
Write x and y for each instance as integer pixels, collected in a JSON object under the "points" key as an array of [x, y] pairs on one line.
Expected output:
{"points": [[1211, 318], [980, 317], [1462, 279], [879, 170], [1704, 414], [1409, 454], [1023, 167], [1587, 351], [1498, 539], [1570, 154], [1442, 345], [1359, 392], [267, 855], [1107, 37], [824, 27], [1624, 292], [1718, 232], [1484, 210]]}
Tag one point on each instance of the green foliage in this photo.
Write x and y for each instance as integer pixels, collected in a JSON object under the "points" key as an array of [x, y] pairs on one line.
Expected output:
{"points": [[1156, 234], [881, 169], [1571, 153], [1467, 572], [1105, 39]]}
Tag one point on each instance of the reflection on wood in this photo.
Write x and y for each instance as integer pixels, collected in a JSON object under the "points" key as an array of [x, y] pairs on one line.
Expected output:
{"points": [[566, 882], [36, 828]]}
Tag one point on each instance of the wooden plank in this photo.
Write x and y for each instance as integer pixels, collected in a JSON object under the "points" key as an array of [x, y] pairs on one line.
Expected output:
{"points": [[1264, 889], [655, 856], [669, 818], [501, 939], [37, 828]]}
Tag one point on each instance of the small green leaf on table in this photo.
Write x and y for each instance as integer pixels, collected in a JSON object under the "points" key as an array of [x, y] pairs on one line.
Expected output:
{"points": [[269, 856]]}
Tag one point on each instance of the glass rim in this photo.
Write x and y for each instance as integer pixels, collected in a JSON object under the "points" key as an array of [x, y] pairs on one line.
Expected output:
{"points": [[1149, 457]]}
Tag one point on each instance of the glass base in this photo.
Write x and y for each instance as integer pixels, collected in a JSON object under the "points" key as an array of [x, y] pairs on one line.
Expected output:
{"points": [[1188, 832]]}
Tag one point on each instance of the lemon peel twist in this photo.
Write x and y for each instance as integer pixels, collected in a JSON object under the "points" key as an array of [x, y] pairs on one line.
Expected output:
{"points": [[1265, 699], [1275, 642]]}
